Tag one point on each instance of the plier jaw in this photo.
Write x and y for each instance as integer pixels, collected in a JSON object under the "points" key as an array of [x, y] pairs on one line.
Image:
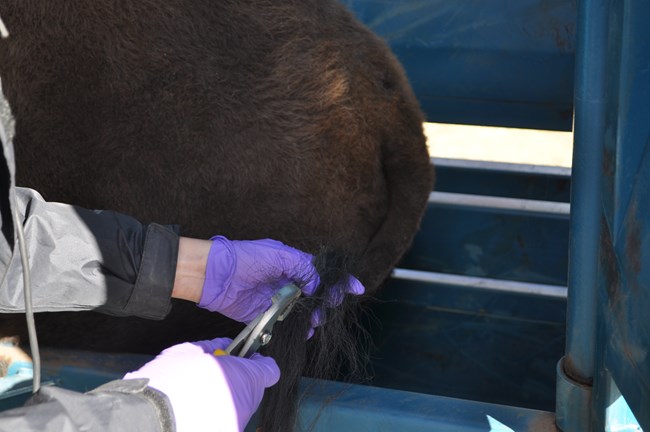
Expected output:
{"points": [[259, 331]]}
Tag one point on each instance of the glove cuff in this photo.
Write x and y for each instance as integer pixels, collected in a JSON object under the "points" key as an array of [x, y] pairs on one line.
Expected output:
{"points": [[219, 271]]}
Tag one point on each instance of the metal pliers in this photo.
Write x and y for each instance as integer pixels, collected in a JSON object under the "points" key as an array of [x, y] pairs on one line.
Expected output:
{"points": [[260, 330]]}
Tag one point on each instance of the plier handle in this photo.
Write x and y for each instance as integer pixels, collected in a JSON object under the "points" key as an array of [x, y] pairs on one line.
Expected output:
{"points": [[259, 331]]}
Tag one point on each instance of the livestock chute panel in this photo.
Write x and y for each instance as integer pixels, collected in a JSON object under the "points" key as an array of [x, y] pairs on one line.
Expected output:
{"points": [[624, 285], [486, 62], [604, 380]]}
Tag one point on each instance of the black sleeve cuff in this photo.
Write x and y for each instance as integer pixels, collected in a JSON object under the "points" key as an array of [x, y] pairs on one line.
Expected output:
{"points": [[151, 296]]}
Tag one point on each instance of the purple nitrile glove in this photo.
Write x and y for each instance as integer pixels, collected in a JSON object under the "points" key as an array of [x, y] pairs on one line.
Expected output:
{"points": [[206, 392], [242, 276]]}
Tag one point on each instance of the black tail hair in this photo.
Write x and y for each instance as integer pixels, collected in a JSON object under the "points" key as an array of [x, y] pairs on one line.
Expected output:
{"points": [[334, 352]]}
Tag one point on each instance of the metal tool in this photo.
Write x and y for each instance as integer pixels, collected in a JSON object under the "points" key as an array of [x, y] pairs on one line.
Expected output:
{"points": [[259, 332]]}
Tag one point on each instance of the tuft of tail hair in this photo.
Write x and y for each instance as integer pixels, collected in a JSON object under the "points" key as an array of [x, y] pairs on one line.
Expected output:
{"points": [[337, 351]]}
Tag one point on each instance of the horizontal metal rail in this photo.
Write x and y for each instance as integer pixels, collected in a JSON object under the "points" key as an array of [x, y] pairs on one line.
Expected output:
{"points": [[500, 203], [544, 290], [502, 166]]}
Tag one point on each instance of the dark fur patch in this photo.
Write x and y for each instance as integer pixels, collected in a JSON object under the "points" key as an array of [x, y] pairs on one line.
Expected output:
{"points": [[251, 119]]}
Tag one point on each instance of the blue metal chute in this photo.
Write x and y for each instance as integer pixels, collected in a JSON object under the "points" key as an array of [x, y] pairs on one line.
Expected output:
{"points": [[498, 62]]}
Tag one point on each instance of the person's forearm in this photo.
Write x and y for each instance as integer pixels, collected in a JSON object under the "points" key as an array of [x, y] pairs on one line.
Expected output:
{"points": [[190, 268], [82, 259], [101, 240]]}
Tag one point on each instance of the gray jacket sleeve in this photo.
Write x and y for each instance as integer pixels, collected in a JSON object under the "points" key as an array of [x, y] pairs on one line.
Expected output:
{"points": [[122, 405], [80, 259]]}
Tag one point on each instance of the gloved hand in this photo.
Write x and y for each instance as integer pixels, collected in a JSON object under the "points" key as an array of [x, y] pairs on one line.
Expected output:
{"points": [[242, 276], [207, 392]]}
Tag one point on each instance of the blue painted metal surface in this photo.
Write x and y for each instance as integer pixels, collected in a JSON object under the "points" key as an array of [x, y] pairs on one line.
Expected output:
{"points": [[623, 343], [465, 343], [577, 368], [505, 180], [362, 408], [490, 62], [494, 243], [586, 197], [573, 406], [483, 242], [608, 330]]}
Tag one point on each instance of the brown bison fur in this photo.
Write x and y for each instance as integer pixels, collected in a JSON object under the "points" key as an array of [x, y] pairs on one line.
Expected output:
{"points": [[251, 119]]}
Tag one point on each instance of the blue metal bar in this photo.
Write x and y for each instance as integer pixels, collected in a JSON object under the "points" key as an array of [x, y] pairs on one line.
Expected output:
{"points": [[578, 364], [517, 205], [335, 406], [586, 186], [516, 168], [490, 284]]}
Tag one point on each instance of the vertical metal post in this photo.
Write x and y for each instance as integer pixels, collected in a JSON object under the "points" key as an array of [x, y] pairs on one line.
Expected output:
{"points": [[576, 369]]}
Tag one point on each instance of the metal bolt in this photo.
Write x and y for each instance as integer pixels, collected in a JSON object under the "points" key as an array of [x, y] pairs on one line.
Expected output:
{"points": [[265, 338]]}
